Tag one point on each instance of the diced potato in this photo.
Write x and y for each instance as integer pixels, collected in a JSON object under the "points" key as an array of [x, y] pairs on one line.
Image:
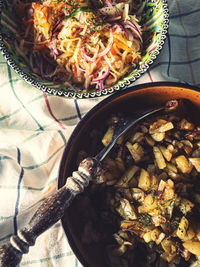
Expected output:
{"points": [[144, 129], [186, 254], [126, 210], [172, 167], [166, 153], [144, 180], [198, 232], [168, 195], [188, 146], [155, 234], [158, 137], [127, 176], [160, 238], [196, 153], [142, 209], [193, 247], [130, 225], [186, 206], [120, 250], [136, 151], [189, 234], [162, 185], [196, 163], [166, 245], [168, 257], [183, 164], [147, 237], [138, 194], [182, 228], [177, 144], [137, 137], [187, 143], [154, 182], [150, 141], [150, 202], [160, 126], [158, 220], [108, 136], [171, 148], [159, 158], [188, 150], [170, 183], [186, 125]]}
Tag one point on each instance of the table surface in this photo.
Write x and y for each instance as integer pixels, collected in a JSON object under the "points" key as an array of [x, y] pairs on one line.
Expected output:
{"points": [[35, 128]]}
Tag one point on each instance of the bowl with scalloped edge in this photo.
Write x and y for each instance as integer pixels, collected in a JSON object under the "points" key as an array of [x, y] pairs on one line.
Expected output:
{"points": [[86, 223], [154, 23]]}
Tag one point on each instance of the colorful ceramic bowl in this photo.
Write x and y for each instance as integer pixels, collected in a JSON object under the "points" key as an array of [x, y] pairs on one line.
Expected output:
{"points": [[130, 100], [155, 22]]}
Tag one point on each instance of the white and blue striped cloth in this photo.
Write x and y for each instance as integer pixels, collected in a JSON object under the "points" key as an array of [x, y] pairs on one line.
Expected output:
{"points": [[35, 127]]}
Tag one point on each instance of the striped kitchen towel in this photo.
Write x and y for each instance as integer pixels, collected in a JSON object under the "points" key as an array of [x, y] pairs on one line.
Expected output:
{"points": [[35, 127]]}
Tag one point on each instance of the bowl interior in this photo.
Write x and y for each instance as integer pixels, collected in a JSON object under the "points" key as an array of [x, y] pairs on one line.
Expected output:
{"points": [[154, 20], [128, 101]]}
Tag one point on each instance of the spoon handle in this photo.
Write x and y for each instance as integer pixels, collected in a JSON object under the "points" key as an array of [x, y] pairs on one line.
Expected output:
{"points": [[51, 210]]}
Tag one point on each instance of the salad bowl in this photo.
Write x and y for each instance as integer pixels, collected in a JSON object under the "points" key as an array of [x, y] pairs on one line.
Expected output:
{"points": [[154, 19]]}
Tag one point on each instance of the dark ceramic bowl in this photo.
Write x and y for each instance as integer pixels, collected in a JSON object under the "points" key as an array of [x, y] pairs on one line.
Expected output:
{"points": [[131, 100], [155, 21]]}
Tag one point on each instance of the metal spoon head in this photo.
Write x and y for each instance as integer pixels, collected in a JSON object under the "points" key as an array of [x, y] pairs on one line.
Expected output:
{"points": [[127, 122]]}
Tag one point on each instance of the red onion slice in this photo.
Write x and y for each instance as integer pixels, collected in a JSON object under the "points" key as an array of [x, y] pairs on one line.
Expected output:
{"points": [[86, 57], [130, 24]]}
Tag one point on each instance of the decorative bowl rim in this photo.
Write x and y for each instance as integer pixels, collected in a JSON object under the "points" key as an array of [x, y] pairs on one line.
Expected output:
{"points": [[85, 95]]}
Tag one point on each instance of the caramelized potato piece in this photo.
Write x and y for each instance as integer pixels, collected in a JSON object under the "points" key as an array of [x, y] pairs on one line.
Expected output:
{"points": [[159, 158], [186, 125], [186, 206], [160, 126], [193, 247], [168, 257], [108, 136], [127, 176], [196, 163], [150, 202], [144, 180], [182, 228], [150, 141], [138, 194], [189, 234], [167, 244], [183, 164], [166, 153], [158, 137], [136, 151], [137, 137], [126, 210]]}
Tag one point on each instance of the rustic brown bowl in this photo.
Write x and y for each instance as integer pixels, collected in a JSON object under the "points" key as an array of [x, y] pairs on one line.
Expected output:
{"points": [[127, 101]]}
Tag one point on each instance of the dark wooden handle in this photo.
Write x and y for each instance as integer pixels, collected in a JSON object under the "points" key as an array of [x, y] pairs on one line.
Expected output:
{"points": [[51, 210]]}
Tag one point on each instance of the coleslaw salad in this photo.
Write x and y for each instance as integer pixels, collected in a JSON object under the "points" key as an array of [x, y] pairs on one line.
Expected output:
{"points": [[89, 45]]}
